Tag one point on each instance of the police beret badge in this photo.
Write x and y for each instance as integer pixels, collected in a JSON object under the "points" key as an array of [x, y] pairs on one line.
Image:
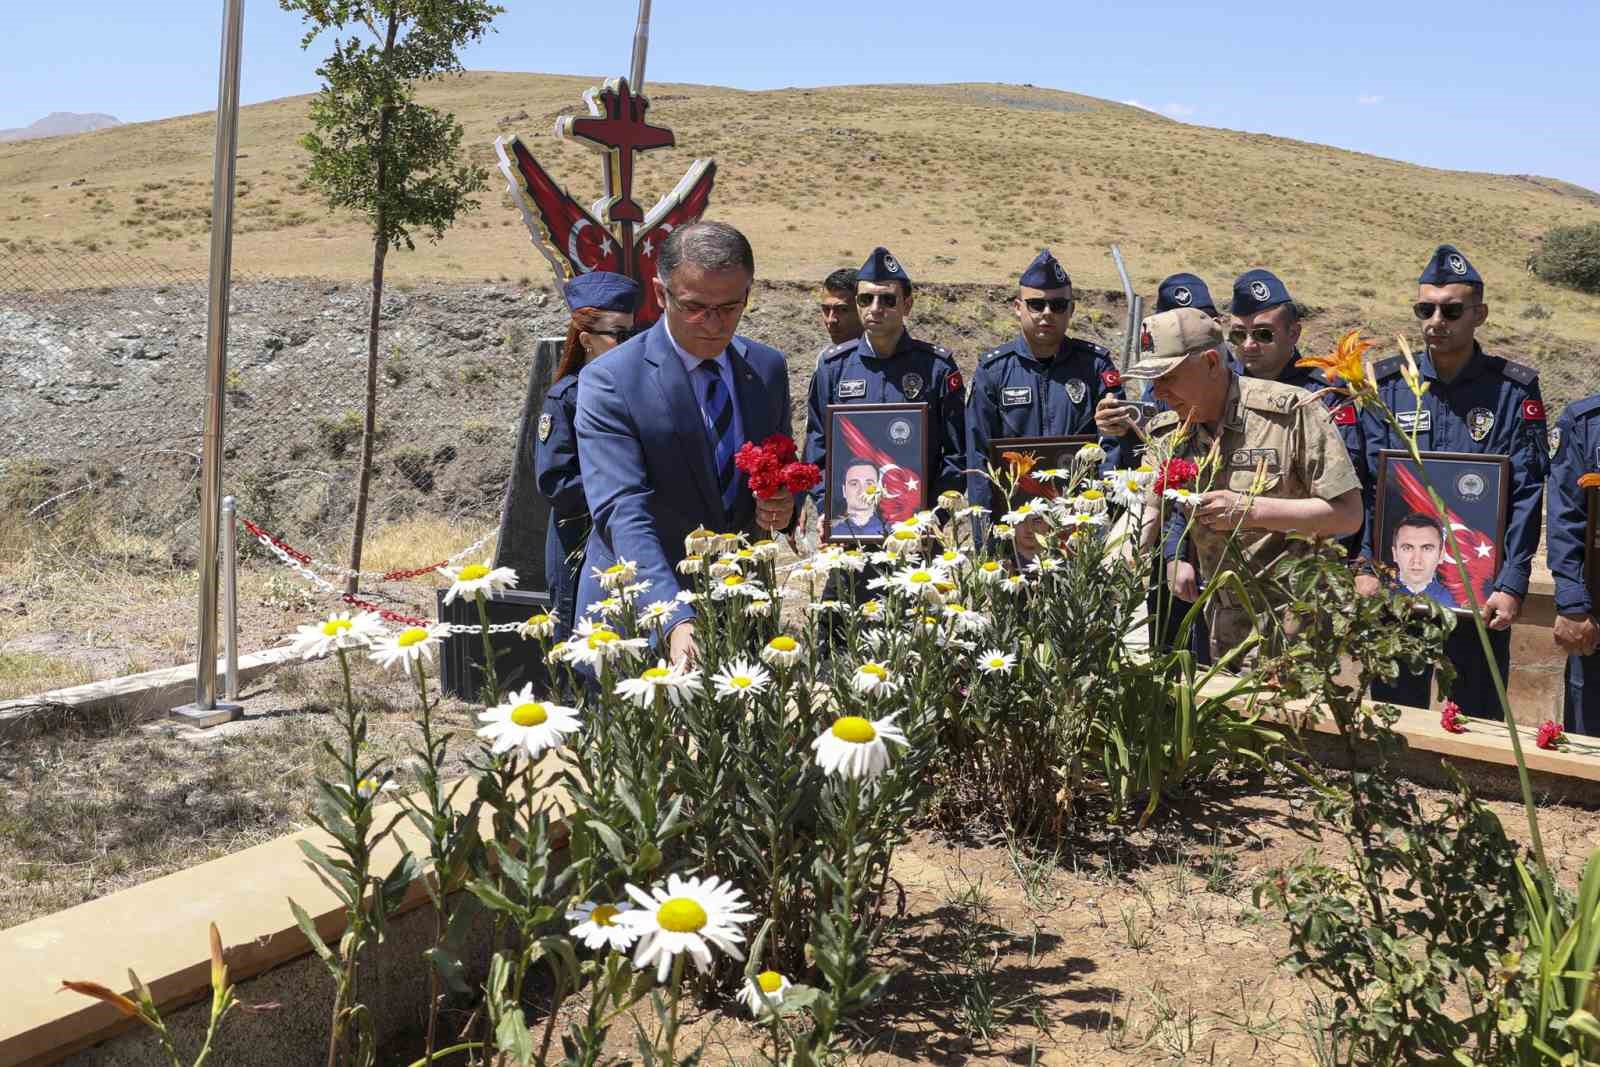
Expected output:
{"points": [[1457, 263], [1182, 296], [545, 425], [890, 263], [1077, 390], [1259, 290], [911, 386], [1479, 422]]}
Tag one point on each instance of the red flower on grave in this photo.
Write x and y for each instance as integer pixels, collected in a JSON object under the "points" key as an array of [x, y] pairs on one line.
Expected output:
{"points": [[1450, 718], [771, 468], [1176, 473], [1550, 735]]}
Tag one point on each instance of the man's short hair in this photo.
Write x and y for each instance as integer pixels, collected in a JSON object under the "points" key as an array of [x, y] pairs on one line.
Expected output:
{"points": [[841, 282], [711, 246], [1419, 520]]}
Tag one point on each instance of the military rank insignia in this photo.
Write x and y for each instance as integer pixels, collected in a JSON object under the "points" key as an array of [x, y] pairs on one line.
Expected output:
{"points": [[545, 424]]}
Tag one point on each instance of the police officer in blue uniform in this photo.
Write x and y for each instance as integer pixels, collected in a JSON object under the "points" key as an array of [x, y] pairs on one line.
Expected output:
{"points": [[1043, 383], [1475, 403], [886, 365], [602, 306], [1574, 452]]}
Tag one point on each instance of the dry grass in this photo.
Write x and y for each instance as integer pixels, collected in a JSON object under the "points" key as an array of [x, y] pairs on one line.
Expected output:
{"points": [[950, 176]]}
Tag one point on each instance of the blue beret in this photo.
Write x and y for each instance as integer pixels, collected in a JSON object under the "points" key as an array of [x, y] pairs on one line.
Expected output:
{"points": [[1449, 267], [1183, 291], [602, 290], [1045, 272], [1257, 290], [881, 266]]}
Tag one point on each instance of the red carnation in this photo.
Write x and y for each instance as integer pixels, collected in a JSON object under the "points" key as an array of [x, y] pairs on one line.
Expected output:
{"points": [[1176, 474], [1550, 735], [781, 447], [754, 459], [800, 477], [765, 484], [1450, 718]]}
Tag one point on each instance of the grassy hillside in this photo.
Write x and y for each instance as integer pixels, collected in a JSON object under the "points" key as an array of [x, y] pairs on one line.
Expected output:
{"points": [[964, 182]]}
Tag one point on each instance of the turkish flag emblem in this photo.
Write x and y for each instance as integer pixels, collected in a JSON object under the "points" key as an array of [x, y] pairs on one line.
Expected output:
{"points": [[953, 383], [1344, 415], [1110, 379], [1533, 410]]}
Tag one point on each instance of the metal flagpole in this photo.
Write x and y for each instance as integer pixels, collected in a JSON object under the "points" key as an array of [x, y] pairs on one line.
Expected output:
{"points": [[205, 711], [641, 45]]}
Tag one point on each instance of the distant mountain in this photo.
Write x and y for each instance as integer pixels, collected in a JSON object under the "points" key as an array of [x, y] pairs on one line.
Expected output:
{"points": [[59, 124]]}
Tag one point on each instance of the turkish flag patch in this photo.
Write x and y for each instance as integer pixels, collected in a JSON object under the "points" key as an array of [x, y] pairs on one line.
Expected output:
{"points": [[1533, 410], [953, 383], [1344, 415], [1110, 379]]}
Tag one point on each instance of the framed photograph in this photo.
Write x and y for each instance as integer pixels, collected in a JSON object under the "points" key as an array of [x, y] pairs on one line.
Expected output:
{"points": [[878, 459], [1049, 453], [1410, 534]]}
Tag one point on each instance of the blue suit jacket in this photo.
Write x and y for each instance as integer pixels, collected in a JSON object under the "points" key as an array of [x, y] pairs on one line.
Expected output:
{"points": [[647, 464]]}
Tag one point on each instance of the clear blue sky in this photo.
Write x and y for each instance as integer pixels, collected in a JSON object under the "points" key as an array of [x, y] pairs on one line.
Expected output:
{"points": [[1472, 85]]}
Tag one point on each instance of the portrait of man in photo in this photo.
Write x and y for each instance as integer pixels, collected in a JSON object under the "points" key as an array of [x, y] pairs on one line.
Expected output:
{"points": [[856, 494], [1418, 547]]}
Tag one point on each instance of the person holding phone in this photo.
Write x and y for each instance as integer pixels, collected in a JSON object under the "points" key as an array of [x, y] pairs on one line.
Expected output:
{"points": [[1043, 383]]}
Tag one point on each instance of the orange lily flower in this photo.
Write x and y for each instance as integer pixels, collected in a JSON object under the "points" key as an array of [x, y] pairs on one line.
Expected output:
{"points": [[1344, 364], [100, 992], [1020, 462]]}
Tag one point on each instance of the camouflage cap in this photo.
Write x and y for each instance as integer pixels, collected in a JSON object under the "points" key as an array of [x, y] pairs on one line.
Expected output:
{"points": [[1167, 337]]}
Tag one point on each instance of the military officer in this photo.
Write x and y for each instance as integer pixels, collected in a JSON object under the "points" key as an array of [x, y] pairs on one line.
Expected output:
{"points": [[1283, 468], [886, 365], [1043, 383], [1475, 403], [1575, 451], [602, 306], [838, 306]]}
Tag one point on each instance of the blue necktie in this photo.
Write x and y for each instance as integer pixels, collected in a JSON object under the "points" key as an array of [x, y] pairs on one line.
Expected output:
{"points": [[718, 410]]}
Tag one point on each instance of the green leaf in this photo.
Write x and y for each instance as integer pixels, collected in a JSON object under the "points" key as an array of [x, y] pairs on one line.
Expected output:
{"points": [[309, 928], [511, 1037]]}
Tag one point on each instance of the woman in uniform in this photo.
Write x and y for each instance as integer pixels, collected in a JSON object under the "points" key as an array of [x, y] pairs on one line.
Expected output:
{"points": [[602, 306]]}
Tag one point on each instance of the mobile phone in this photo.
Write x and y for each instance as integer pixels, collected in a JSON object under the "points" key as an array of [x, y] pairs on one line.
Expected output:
{"points": [[1143, 410]]}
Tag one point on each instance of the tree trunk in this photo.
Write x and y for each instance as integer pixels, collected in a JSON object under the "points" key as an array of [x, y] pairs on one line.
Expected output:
{"points": [[380, 252]]}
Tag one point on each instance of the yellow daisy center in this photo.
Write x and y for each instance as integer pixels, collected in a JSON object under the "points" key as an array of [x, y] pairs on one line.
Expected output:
{"points": [[600, 638], [997, 661], [1092, 494], [744, 553], [604, 915], [990, 566], [741, 681], [411, 635], [871, 607], [335, 627], [877, 670], [905, 535], [770, 982], [655, 674], [732, 580], [367, 786], [472, 572], [616, 568], [945, 587], [529, 714], [783, 643], [538, 620], [920, 577], [681, 916], [854, 729]]}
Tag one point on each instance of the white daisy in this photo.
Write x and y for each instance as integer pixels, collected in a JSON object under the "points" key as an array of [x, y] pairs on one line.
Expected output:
{"points": [[686, 596], [853, 747], [871, 610], [337, 631], [1090, 502], [407, 647], [996, 662], [1020, 514], [367, 788], [540, 624], [822, 607], [765, 549], [606, 608], [617, 575], [1091, 455], [990, 571], [972, 511], [1003, 531], [674, 680], [741, 680], [763, 992], [657, 612], [474, 578], [922, 582], [1015, 583], [1181, 497], [901, 541], [965, 619], [951, 559], [782, 651], [874, 677], [595, 643], [688, 915], [692, 564], [1127, 490], [735, 584], [603, 925], [526, 723], [700, 541], [951, 500], [853, 560]]}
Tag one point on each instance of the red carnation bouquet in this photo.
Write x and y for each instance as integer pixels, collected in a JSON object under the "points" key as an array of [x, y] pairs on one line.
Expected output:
{"points": [[771, 467], [1450, 718], [1176, 473], [1550, 735]]}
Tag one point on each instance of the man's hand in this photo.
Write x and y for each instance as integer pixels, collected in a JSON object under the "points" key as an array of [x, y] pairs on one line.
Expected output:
{"points": [[1367, 585], [1222, 509], [1577, 634], [1501, 610], [1113, 417], [680, 644], [775, 512], [1182, 580]]}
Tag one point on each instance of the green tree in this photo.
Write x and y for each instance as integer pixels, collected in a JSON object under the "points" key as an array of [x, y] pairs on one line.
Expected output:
{"points": [[377, 151]]}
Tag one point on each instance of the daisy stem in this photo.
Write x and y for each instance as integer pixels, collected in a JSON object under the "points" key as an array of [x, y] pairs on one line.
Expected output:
{"points": [[488, 649], [669, 1039]]}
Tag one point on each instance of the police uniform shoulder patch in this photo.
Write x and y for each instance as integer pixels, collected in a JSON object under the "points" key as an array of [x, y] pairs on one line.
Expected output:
{"points": [[1271, 397], [991, 354], [1553, 439], [835, 351], [1579, 408], [1388, 368], [1520, 373], [546, 423], [1081, 345]]}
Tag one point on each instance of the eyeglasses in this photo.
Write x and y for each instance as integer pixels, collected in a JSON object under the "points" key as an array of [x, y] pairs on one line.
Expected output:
{"points": [[1262, 335], [694, 312], [887, 300], [621, 333], [1424, 310], [1058, 304]]}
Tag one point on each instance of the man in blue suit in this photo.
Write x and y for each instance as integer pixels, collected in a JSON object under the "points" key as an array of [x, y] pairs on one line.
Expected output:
{"points": [[660, 418]]}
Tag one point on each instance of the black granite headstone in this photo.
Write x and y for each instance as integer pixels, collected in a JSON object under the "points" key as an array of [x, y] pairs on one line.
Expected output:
{"points": [[525, 514]]}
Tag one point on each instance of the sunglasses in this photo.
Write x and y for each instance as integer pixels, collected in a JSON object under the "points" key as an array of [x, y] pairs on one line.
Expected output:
{"points": [[1424, 310], [887, 300], [1262, 335], [1058, 304], [621, 333]]}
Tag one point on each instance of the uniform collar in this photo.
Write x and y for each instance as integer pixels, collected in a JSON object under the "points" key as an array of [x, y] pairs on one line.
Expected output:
{"points": [[1020, 346], [1232, 412], [865, 350], [1475, 365]]}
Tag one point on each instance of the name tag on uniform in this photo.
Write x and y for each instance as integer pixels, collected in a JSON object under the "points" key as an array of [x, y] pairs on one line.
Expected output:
{"points": [[1251, 458], [1415, 421], [1011, 398], [853, 389]]}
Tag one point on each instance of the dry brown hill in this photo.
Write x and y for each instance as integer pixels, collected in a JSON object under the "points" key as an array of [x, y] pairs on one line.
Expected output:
{"points": [[964, 182]]}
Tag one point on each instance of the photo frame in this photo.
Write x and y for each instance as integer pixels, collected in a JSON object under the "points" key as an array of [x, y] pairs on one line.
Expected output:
{"points": [[1052, 452], [1409, 536], [894, 441]]}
